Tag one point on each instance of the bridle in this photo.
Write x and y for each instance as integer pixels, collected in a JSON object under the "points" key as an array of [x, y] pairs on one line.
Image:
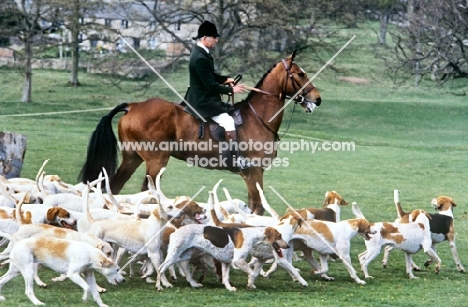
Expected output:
{"points": [[297, 98]]}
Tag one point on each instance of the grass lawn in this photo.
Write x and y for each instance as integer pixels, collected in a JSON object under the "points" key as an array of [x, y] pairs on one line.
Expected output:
{"points": [[414, 140]]}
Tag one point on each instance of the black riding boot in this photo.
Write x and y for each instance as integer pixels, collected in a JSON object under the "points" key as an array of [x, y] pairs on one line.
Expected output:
{"points": [[237, 160]]}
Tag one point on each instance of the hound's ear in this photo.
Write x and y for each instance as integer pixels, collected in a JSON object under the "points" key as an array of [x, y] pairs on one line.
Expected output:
{"points": [[270, 234], [51, 213]]}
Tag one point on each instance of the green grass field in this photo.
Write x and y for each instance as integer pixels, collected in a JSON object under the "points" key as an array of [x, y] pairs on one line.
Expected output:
{"points": [[411, 139]]}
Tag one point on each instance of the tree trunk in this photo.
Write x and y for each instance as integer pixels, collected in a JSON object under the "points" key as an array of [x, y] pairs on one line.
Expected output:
{"points": [[410, 10], [27, 85], [75, 61], [75, 32], [384, 17], [12, 150]]}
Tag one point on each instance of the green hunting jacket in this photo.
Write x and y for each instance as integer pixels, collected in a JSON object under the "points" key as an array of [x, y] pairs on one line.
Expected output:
{"points": [[206, 86]]}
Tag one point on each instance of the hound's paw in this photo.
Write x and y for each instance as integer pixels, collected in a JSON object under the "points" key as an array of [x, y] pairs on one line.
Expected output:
{"points": [[101, 290], [360, 281], [327, 278], [251, 287], [149, 280], [416, 268]]}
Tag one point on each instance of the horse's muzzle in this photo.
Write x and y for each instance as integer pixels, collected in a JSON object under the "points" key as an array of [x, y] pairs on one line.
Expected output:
{"points": [[311, 106]]}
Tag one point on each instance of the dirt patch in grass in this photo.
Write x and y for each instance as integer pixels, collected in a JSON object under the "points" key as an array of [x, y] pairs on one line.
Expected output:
{"points": [[354, 80]]}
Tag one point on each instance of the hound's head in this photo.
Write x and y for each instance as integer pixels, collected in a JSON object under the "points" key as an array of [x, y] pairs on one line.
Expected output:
{"points": [[275, 239], [110, 270], [332, 197], [190, 208], [60, 217], [443, 203], [364, 227]]}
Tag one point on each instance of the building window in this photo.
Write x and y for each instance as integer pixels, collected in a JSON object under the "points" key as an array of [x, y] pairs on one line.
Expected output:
{"points": [[108, 22], [136, 42], [81, 20], [151, 43], [124, 24]]}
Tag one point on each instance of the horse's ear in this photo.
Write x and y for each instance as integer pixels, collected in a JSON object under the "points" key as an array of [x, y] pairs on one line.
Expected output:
{"points": [[293, 55]]}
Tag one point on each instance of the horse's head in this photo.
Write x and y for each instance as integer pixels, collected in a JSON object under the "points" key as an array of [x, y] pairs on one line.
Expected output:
{"points": [[299, 87]]}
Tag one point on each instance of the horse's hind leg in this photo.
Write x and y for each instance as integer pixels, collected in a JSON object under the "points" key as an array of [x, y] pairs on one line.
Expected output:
{"points": [[153, 167], [130, 162]]}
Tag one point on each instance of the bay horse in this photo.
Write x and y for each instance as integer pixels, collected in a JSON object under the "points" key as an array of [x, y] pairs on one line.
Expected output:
{"points": [[158, 121]]}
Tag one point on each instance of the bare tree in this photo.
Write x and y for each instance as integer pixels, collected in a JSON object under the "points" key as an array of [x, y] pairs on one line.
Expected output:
{"points": [[253, 33], [77, 17], [432, 43], [25, 24]]}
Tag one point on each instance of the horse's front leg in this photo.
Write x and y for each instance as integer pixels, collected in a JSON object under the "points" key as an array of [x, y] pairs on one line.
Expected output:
{"points": [[251, 178]]}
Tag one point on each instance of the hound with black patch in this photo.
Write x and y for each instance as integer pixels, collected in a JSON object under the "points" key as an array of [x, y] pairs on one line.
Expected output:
{"points": [[441, 225], [231, 244]]}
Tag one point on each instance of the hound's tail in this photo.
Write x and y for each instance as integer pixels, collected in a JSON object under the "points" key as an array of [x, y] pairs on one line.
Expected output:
{"points": [[396, 198], [102, 148], [20, 219]]}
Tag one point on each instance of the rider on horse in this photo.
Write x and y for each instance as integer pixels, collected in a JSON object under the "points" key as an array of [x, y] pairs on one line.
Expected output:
{"points": [[206, 86]]}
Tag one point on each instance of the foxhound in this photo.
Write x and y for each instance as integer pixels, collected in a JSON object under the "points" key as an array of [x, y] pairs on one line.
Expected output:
{"points": [[141, 236], [64, 256], [328, 238], [409, 237], [441, 225]]}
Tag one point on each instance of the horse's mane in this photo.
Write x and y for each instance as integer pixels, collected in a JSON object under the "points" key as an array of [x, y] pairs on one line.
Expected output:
{"points": [[259, 83]]}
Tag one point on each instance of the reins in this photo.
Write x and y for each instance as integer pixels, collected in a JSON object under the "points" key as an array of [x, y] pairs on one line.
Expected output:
{"points": [[277, 138]]}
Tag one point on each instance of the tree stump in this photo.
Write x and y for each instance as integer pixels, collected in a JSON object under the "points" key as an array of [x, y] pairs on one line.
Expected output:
{"points": [[12, 150]]}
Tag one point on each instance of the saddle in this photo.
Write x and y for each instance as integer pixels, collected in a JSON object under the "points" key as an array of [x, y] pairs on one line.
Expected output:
{"points": [[216, 131]]}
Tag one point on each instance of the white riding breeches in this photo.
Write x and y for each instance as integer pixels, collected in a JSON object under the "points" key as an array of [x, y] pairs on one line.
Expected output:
{"points": [[225, 121]]}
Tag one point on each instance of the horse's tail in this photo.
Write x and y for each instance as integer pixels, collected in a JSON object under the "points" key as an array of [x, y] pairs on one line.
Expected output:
{"points": [[102, 148]]}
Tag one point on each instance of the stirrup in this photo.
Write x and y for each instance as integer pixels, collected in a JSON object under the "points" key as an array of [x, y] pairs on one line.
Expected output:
{"points": [[241, 163]]}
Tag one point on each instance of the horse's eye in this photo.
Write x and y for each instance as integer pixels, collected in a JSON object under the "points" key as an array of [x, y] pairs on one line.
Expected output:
{"points": [[301, 74]]}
